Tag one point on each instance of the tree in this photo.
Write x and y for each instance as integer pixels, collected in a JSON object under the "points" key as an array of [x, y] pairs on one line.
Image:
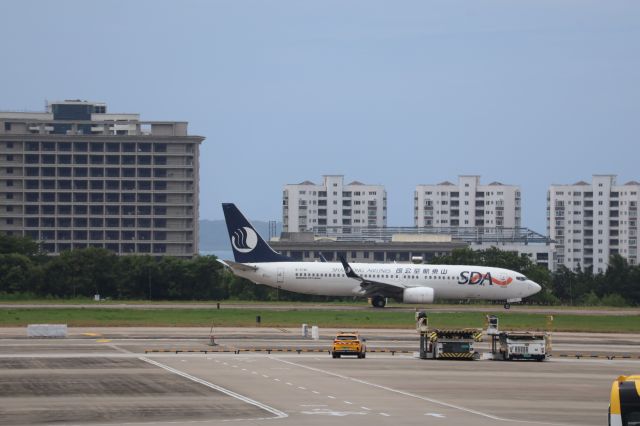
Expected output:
{"points": [[16, 273], [25, 246]]}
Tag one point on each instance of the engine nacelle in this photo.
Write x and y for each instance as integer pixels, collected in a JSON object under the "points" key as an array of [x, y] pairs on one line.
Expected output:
{"points": [[418, 295]]}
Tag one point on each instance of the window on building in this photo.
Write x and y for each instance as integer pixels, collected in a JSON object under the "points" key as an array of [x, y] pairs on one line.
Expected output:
{"points": [[144, 185], [96, 184], [127, 197], [96, 222]]}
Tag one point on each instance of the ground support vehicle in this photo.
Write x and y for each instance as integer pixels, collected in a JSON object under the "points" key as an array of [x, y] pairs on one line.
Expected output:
{"points": [[519, 345], [450, 344], [348, 343], [624, 404]]}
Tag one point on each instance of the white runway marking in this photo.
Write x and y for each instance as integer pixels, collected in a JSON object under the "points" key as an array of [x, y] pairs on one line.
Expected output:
{"points": [[347, 402], [437, 415], [328, 412], [385, 414], [412, 395], [366, 408], [265, 376], [302, 388], [277, 413], [316, 392]]}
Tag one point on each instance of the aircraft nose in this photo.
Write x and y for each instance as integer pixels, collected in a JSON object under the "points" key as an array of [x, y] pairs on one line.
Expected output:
{"points": [[535, 288]]}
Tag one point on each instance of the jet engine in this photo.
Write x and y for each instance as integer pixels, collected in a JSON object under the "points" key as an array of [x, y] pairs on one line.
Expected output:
{"points": [[418, 295]]}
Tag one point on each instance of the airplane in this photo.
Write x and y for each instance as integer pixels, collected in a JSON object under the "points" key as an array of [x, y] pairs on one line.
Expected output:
{"points": [[256, 261]]}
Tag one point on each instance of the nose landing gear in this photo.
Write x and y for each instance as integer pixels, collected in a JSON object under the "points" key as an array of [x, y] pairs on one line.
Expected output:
{"points": [[508, 302]]}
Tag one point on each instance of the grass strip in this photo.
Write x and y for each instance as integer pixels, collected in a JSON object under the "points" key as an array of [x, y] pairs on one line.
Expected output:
{"points": [[81, 317]]}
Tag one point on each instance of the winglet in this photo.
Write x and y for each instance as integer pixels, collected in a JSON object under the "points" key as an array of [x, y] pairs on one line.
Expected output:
{"points": [[348, 270]]}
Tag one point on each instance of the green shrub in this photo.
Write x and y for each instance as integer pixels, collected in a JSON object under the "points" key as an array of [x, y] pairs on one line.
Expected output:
{"points": [[615, 300]]}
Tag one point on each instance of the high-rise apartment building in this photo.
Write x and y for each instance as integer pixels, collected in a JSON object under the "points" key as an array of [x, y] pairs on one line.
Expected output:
{"points": [[467, 204], [76, 176], [333, 206], [591, 222]]}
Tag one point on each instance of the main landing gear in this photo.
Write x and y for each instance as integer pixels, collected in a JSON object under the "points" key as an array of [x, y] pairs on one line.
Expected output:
{"points": [[507, 305], [378, 301]]}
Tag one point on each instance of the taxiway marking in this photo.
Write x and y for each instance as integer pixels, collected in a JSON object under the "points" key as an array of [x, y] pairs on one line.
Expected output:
{"points": [[277, 413], [412, 395]]}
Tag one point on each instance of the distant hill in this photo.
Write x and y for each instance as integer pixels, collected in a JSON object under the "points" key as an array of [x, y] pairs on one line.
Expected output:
{"points": [[214, 235]]}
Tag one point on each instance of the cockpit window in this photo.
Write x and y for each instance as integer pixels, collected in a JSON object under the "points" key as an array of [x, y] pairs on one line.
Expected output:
{"points": [[521, 278]]}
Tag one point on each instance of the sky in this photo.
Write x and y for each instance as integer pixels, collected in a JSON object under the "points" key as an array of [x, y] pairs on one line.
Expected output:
{"points": [[399, 93]]}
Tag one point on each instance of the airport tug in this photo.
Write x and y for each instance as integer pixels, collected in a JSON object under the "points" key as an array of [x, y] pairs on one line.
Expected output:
{"points": [[446, 344], [516, 345]]}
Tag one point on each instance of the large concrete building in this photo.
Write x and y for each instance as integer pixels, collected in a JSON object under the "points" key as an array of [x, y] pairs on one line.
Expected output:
{"points": [[76, 176], [333, 205], [592, 221], [467, 204]]}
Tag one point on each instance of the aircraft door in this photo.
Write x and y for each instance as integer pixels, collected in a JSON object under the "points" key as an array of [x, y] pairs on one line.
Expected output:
{"points": [[280, 275]]}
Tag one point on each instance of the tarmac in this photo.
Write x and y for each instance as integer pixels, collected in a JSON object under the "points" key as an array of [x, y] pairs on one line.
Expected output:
{"points": [[110, 376]]}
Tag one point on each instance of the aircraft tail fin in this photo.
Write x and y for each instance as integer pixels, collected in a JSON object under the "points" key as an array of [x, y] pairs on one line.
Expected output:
{"points": [[348, 270], [248, 246]]}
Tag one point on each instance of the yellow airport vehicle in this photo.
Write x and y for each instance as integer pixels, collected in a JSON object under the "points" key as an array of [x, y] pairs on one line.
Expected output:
{"points": [[453, 344], [348, 343], [446, 344], [624, 405]]}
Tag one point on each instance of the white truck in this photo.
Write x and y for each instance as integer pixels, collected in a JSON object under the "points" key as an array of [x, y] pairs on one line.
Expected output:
{"points": [[521, 345]]}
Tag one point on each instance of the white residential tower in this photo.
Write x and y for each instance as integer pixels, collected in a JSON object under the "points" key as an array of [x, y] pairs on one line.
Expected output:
{"points": [[592, 221], [467, 204], [333, 205]]}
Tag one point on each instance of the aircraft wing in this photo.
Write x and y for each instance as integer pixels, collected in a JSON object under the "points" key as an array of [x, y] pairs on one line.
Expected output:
{"points": [[371, 287], [237, 266]]}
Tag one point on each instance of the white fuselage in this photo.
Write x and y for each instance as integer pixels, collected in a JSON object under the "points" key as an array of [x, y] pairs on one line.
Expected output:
{"points": [[447, 281]]}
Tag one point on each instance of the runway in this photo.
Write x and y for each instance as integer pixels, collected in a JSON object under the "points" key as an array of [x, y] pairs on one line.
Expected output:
{"points": [[271, 306], [104, 377]]}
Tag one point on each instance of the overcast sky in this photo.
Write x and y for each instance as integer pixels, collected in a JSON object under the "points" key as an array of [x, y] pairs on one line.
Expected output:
{"points": [[527, 92]]}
